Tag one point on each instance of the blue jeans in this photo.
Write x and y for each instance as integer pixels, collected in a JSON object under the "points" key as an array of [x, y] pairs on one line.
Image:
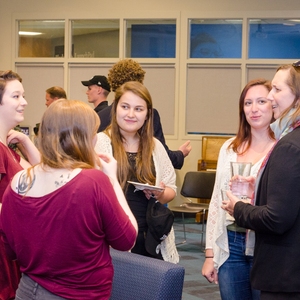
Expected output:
{"points": [[234, 274], [31, 290]]}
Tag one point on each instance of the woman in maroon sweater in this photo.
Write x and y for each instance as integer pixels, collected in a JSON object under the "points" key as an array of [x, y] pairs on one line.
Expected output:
{"points": [[12, 106]]}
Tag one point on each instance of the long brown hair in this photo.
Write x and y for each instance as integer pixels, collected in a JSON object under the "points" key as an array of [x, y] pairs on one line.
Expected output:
{"points": [[66, 135], [144, 164], [244, 131]]}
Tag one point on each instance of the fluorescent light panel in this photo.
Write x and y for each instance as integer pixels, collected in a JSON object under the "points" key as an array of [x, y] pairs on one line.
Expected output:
{"points": [[29, 33]]}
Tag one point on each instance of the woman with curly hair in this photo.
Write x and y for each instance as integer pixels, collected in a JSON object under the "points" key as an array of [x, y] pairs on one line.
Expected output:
{"points": [[123, 71], [129, 70]]}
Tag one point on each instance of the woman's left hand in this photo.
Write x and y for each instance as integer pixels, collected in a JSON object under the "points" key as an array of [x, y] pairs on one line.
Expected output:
{"points": [[109, 165], [228, 205], [15, 137], [153, 193]]}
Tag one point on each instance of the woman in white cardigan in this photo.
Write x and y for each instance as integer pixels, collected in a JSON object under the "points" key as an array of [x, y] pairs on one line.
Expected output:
{"points": [[141, 158], [226, 261]]}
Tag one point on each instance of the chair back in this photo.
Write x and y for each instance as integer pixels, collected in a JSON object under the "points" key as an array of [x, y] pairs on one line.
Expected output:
{"points": [[211, 146], [145, 278], [198, 184]]}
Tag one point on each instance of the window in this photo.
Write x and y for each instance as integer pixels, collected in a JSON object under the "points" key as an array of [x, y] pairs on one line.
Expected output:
{"points": [[211, 38], [41, 38], [95, 38], [274, 38], [151, 38]]}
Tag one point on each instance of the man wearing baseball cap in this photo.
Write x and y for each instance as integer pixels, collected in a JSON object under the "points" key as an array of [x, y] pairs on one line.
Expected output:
{"points": [[97, 92]]}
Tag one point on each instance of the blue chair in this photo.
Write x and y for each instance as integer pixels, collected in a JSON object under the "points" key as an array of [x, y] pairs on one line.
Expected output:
{"points": [[138, 277]]}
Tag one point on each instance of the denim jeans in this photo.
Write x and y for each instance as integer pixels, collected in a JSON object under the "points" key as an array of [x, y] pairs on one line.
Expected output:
{"points": [[31, 290], [234, 274]]}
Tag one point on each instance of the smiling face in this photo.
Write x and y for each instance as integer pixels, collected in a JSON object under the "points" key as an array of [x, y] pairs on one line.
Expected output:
{"points": [[131, 113], [13, 104], [257, 109], [281, 95]]}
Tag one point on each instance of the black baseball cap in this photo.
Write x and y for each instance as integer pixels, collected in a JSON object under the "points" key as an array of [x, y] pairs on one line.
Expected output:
{"points": [[99, 80]]}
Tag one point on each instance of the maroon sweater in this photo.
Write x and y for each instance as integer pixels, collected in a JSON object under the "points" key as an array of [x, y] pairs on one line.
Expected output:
{"points": [[62, 239]]}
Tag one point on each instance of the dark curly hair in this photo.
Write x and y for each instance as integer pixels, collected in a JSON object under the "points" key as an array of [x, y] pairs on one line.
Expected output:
{"points": [[123, 71]]}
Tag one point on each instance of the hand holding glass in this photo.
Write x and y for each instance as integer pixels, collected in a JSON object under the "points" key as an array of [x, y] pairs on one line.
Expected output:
{"points": [[240, 186]]}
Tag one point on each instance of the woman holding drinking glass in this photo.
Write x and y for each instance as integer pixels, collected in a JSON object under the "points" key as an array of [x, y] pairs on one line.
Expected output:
{"points": [[225, 260], [275, 216]]}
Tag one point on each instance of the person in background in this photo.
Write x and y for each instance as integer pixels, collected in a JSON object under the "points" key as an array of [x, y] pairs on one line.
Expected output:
{"points": [[129, 70], [74, 211], [141, 158], [226, 262], [12, 106], [52, 94], [98, 90], [275, 213]]}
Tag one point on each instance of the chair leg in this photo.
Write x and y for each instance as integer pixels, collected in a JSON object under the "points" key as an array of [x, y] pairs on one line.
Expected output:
{"points": [[184, 234], [202, 232], [203, 228]]}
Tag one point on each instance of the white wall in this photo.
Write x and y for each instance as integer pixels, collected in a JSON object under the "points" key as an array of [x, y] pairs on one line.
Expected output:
{"points": [[37, 7]]}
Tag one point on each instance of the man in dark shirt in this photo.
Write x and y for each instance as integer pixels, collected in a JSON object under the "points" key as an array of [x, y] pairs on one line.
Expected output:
{"points": [[97, 92], [130, 70]]}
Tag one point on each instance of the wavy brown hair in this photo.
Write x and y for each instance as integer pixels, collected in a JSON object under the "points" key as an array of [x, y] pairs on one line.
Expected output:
{"points": [[144, 165], [244, 131], [66, 135], [6, 76], [123, 71]]}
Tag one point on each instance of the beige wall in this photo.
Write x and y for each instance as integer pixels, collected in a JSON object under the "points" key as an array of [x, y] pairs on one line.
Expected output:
{"points": [[36, 7]]}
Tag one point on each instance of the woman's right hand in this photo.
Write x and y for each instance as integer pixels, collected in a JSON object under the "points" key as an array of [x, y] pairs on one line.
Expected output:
{"points": [[109, 165], [209, 272]]}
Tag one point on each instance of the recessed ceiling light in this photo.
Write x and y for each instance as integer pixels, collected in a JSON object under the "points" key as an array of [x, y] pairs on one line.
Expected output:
{"points": [[29, 33]]}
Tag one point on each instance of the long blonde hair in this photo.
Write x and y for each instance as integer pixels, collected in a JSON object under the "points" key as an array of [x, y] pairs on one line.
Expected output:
{"points": [[293, 81], [66, 135], [144, 165]]}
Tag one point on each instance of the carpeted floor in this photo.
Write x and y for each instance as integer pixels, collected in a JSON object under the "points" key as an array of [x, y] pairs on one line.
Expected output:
{"points": [[196, 287]]}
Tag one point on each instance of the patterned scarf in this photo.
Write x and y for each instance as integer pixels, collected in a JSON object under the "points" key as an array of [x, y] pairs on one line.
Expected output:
{"points": [[280, 129]]}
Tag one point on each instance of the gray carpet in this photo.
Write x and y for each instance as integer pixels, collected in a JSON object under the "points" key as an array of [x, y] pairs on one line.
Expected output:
{"points": [[196, 287]]}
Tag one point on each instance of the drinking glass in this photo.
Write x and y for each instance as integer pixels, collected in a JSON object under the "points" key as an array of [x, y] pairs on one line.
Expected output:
{"points": [[224, 195], [239, 186]]}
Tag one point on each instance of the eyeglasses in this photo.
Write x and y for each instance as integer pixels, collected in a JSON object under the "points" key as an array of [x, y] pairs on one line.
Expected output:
{"points": [[296, 64]]}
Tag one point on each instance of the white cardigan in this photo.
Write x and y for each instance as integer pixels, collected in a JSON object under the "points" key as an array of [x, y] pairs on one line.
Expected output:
{"points": [[218, 219], [163, 167], [164, 173]]}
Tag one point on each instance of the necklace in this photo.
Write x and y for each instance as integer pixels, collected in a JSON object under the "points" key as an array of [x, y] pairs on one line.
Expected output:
{"points": [[9, 151]]}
